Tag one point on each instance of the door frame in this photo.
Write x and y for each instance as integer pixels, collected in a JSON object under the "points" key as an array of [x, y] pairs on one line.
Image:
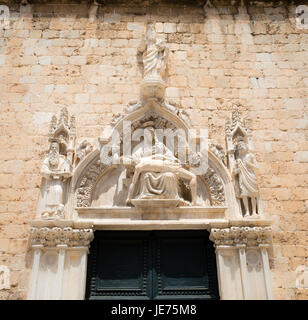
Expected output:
{"points": [[154, 240]]}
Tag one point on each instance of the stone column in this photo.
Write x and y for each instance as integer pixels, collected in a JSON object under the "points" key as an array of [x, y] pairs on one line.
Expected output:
{"points": [[62, 275], [61, 259], [266, 268], [243, 266], [37, 251], [228, 273], [239, 251]]}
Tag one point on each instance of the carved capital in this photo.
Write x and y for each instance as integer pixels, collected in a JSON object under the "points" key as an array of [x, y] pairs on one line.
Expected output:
{"points": [[54, 236], [250, 236]]}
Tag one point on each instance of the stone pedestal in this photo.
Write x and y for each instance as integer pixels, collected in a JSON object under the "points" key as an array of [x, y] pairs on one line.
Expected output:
{"points": [[152, 88]]}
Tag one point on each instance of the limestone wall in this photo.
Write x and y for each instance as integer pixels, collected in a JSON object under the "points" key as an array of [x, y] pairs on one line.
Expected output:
{"points": [[53, 55]]}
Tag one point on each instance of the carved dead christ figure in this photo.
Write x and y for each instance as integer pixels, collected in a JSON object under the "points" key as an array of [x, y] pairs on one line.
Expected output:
{"points": [[158, 171]]}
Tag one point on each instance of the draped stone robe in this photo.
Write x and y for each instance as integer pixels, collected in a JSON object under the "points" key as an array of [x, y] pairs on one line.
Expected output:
{"points": [[53, 188], [247, 186]]}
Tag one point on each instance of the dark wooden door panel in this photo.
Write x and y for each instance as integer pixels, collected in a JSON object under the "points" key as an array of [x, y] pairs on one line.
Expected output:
{"points": [[152, 265], [181, 266], [119, 266]]}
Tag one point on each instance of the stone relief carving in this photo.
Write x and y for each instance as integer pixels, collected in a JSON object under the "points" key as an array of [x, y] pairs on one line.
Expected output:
{"points": [[250, 236], [83, 149], [4, 277], [88, 179], [253, 260], [242, 165], [133, 105], [216, 187], [219, 152], [170, 106], [49, 260], [116, 118], [158, 172], [53, 236]]}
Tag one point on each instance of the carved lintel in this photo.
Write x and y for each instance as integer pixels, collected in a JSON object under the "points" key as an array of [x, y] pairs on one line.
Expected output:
{"points": [[55, 236]]}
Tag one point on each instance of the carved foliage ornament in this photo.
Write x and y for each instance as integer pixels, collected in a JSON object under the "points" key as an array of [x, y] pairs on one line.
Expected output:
{"points": [[87, 182], [216, 187], [251, 236], [53, 236]]}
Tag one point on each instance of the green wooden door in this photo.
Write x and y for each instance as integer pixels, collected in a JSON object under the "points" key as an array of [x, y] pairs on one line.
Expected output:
{"points": [[152, 265]]}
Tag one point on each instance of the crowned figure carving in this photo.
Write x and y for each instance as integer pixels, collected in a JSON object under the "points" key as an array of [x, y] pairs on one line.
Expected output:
{"points": [[57, 167], [154, 59]]}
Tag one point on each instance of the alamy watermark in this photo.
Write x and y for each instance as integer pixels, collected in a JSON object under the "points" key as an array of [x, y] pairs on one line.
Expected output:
{"points": [[163, 145], [302, 17]]}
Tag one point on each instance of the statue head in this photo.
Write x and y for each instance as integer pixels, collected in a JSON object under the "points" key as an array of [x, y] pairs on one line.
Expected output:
{"points": [[242, 147], [54, 147], [54, 152], [151, 35]]}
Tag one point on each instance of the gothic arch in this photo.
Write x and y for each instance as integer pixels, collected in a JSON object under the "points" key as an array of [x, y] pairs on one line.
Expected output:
{"points": [[90, 171]]}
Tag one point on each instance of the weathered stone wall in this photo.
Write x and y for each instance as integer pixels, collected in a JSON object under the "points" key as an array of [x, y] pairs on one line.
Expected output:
{"points": [[52, 55]]}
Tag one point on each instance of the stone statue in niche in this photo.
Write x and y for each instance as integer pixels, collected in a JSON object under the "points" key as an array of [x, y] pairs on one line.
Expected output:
{"points": [[56, 170], [154, 59], [157, 172], [246, 186]]}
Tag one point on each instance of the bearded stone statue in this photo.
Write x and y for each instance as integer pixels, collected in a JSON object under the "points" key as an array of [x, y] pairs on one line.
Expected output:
{"points": [[55, 169]]}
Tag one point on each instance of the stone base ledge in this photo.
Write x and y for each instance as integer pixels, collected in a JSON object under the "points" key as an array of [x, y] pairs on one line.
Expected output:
{"points": [[181, 224], [60, 223], [151, 213]]}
